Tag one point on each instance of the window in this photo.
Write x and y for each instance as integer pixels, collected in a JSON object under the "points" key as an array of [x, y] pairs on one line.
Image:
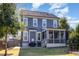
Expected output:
{"points": [[63, 34], [44, 23], [51, 37], [25, 36], [55, 23], [35, 22], [25, 21], [51, 34], [56, 34]]}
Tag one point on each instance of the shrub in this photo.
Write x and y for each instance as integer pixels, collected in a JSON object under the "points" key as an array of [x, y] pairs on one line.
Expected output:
{"points": [[32, 44], [74, 41]]}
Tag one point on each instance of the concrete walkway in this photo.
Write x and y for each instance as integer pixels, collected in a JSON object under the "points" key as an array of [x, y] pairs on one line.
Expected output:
{"points": [[11, 51]]}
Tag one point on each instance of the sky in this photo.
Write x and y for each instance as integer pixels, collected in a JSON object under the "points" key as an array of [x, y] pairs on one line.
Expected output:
{"points": [[68, 10]]}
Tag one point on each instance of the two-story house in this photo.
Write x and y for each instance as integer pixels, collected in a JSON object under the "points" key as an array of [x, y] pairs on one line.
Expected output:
{"points": [[42, 27]]}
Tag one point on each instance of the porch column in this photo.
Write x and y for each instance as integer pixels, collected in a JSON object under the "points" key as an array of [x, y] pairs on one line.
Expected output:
{"points": [[47, 33], [60, 36], [53, 36], [64, 35]]}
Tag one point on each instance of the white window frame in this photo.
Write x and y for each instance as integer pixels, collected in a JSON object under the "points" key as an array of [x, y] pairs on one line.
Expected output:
{"points": [[35, 20], [24, 34], [25, 20], [55, 25], [44, 21]]}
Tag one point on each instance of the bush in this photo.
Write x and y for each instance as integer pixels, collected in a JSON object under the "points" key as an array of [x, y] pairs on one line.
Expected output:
{"points": [[39, 44], [73, 41], [32, 44]]}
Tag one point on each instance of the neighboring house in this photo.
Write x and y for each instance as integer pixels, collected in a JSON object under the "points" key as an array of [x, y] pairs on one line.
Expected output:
{"points": [[42, 27]]}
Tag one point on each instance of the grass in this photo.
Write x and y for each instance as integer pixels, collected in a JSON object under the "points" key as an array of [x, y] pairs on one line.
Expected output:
{"points": [[37, 52], [42, 51]]}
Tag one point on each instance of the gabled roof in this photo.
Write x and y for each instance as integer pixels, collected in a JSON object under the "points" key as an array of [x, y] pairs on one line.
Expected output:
{"points": [[37, 14]]}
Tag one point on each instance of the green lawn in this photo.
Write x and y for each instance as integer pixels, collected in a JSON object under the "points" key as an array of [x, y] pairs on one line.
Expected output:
{"points": [[42, 51]]}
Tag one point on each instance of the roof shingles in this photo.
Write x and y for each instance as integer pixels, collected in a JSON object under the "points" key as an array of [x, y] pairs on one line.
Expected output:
{"points": [[37, 14]]}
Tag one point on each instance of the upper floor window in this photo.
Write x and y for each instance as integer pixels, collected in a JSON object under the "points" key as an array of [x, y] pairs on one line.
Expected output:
{"points": [[25, 21], [44, 23], [55, 23], [35, 22]]}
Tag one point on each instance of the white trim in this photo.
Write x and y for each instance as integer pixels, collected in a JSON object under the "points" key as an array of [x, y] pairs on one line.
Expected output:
{"points": [[64, 35], [35, 20], [25, 35], [55, 23], [47, 34], [53, 36], [31, 31], [60, 36], [56, 44]]}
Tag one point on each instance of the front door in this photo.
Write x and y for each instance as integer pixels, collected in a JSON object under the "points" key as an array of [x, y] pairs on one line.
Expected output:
{"points": [[32, 36], [39, 40]]}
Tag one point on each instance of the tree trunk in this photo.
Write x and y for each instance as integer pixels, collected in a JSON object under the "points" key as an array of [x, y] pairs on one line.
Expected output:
{"points": [[5, 45], [21, 38], [21, 33]]}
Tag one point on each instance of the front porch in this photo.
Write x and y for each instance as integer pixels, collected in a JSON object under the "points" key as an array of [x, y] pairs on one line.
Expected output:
{"points": [[53, 38]]}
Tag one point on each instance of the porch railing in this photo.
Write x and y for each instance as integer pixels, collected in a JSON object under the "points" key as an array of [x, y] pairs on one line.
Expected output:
{"points": [[56, 41]]}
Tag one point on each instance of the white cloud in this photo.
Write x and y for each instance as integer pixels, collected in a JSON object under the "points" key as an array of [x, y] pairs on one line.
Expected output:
{"points": [[56, 5], [60, 15], [64, 11], [35, 6], [73, 23], [68, 17], [60, 9], [22, 9]]}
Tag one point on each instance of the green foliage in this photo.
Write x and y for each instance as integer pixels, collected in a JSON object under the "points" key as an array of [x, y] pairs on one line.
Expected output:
{"points": [[22, 26], [74, 38], [63, 23], [8, 22], [77, 28]]}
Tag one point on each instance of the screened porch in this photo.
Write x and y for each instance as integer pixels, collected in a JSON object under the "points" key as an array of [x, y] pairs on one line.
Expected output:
{"points": [[54, 36]]}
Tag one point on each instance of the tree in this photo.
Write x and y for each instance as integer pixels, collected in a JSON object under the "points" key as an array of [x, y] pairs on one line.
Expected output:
{"points": [[74, 39], [77, 28], [64, 25], [8, 22]]}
